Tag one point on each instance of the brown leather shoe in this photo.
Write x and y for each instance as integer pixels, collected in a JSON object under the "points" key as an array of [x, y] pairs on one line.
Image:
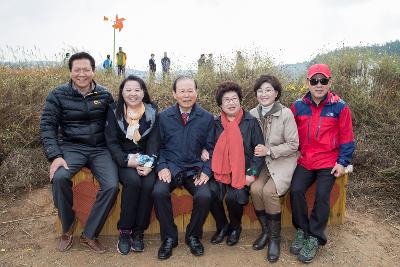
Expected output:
{"points": [[67, 238], [93, 244], [65, 241]]}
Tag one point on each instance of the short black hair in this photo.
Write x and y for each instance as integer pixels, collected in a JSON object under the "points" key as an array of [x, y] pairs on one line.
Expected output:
{"points": [[183, 77], [81, 55], [120, 102], [272, 80], [227, 86]]}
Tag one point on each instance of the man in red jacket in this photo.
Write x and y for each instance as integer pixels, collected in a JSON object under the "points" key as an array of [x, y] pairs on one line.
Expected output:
{"points": [[326, 147]]}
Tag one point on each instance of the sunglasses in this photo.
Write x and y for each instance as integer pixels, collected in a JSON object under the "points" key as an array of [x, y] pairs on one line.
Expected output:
{"points": [[323, 81]]}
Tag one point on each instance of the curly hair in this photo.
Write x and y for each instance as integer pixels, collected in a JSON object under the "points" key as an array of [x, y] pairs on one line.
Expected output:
{"points": [[227, 86]]}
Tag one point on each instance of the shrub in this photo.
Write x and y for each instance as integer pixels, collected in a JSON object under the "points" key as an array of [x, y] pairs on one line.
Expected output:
{"points": [[368, 82]]}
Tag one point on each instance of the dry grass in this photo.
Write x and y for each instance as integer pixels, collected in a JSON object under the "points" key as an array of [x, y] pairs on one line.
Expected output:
{"points": [[369, 84]]}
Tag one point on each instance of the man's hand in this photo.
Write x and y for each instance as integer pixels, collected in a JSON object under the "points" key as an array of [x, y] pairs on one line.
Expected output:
{"points": [[202, 179], [205, 155], [143, 171], [338, 170], [57, 163], [250, 179], [260, 150], [165, 175]]}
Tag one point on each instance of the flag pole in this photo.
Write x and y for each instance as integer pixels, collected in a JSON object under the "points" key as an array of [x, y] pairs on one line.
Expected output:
{"points": [[114, 49]]}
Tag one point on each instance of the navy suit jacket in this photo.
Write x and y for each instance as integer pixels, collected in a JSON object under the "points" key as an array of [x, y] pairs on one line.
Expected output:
{"points": [[181, 145]]}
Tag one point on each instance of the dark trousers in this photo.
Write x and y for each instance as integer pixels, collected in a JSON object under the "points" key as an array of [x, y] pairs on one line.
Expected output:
{"points": [[136, 200], [103, 168], [121, 70], [302, 180], [235, 199], [163, 206]]}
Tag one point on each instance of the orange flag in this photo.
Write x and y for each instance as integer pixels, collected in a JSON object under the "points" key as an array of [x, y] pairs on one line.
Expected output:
{"points": [[105, 18], [118, 23]]}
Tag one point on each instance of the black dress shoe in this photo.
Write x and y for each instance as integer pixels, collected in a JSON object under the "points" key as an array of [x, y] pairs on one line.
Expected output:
{"points": [[219, 235], [165, 250], [233, 237], [196, 248]]}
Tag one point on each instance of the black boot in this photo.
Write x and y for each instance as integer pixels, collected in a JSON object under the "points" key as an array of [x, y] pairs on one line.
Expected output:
{"points": [[274, 244], [234, 236], [262, 239], [219, 235]]}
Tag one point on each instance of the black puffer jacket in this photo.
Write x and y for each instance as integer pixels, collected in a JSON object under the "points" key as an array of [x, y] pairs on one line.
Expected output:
{"points": [[70, 117]]}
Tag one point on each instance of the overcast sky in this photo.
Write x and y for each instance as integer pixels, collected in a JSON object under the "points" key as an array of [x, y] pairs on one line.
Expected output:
{"points": [[288, 31]]}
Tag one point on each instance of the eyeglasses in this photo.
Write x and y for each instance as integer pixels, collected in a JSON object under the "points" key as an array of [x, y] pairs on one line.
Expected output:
{"points": [[265, 91], [230, 100], [323, 81]]}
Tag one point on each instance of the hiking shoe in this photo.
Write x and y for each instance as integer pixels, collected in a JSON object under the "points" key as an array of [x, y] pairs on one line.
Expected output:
{"points": [[137, 242], [309, 250], [124, 242], [298, 242]]}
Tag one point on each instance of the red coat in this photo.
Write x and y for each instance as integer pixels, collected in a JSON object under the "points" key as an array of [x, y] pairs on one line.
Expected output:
{"points": [[325, 132]]}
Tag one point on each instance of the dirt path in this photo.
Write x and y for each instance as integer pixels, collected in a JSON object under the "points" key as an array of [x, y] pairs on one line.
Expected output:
{"points": [[360, 241]]}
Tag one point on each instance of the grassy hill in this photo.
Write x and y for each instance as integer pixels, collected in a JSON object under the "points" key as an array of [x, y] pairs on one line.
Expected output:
{"points": [[368, 79]]}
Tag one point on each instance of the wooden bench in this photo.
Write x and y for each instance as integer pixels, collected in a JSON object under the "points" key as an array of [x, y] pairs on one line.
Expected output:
{"points": [[85, 187]]}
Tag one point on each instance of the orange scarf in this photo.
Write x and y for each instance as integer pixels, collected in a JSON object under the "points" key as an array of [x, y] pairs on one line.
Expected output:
{"points": [[133, 116], [228, 162]]}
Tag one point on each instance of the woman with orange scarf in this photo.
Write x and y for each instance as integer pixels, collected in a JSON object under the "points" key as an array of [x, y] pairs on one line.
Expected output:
{"points": [[233, 162], [133, 139]]}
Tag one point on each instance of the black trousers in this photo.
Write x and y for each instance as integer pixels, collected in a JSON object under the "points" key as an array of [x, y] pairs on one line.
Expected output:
{"points": [[235, 199], [302, 180], [163, 206], [104, 169], [121, 70], [136, 200]]}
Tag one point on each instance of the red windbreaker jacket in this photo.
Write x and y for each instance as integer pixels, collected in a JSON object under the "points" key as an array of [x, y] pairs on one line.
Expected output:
{"points": [[325, 132]]}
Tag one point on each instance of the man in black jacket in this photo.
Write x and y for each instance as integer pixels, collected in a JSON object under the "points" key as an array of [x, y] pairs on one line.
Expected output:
{"points": [[72, 132]]}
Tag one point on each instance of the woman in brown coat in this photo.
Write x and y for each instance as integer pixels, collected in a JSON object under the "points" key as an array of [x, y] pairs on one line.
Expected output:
{"points": [[281, 144]]}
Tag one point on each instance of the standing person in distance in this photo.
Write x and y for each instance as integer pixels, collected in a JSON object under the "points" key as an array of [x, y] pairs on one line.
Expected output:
{"points": [[121, 62], [165, 63]]}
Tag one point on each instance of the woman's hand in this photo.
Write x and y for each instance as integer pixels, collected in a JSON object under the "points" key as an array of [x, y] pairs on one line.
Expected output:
{"points": [[132, 163], [143, 171], [250, 179], [260, 151]]}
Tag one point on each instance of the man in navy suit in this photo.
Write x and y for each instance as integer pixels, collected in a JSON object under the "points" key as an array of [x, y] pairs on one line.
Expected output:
{"points": [[185, 129]]}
